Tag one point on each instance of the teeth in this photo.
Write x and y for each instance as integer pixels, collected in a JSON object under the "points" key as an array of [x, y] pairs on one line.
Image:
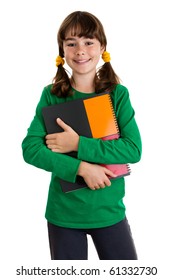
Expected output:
{"points": [[81, 61]]}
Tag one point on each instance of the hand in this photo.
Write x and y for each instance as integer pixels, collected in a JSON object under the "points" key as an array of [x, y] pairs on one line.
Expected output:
{"points": [[63, 142], [95, 176]]}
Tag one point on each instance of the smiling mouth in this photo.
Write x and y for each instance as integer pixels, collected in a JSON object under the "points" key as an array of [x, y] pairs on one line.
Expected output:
{"points": [[82, 61]]}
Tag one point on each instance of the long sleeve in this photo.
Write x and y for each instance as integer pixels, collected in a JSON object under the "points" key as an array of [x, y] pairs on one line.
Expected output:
{"points": [[127, 149], [35, 151]]}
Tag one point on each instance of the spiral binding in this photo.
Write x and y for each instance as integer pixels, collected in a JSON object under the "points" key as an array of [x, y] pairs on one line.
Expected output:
{"points": [[114, 115], [128, 168]]}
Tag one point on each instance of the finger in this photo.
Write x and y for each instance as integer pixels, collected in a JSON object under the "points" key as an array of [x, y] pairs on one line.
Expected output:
{"points": [[107, 182], [56, 150], [52, 146], [51, 136], [62, 124], [110, 173], [49, 141], [92, 188], [102, 186]]}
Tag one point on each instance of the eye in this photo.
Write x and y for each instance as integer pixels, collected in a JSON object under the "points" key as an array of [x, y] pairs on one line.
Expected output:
{"points": [[71, 44], [88, 43]]}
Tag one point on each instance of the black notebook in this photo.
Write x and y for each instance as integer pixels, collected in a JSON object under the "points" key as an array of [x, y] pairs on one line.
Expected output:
{"points": [[91, 117]]}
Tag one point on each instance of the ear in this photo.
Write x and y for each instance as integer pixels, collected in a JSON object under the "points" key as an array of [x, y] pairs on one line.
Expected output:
{"points": [[102, 49]]}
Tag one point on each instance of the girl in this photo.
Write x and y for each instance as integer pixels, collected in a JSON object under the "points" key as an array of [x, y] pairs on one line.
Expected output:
{"points": [[97, 210]]}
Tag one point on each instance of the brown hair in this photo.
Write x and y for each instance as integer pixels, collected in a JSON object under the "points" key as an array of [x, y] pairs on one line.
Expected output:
{"points": [[83, 24]]}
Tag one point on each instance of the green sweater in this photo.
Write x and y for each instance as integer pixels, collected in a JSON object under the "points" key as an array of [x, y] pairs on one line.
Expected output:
{"points": [[84, 208]]}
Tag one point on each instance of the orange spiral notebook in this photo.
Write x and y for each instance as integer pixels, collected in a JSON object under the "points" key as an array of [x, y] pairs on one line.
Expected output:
{"points": [[92, 117]]}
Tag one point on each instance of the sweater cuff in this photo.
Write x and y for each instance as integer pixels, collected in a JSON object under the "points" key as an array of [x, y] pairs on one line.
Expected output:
{"points": [[69, 169]]}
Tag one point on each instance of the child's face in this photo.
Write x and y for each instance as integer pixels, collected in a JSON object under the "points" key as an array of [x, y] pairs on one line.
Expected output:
{"points": [[82, 54]]}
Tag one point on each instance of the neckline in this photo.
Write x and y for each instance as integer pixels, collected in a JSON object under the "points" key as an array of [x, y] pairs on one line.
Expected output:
{"points": [[83, 93]]}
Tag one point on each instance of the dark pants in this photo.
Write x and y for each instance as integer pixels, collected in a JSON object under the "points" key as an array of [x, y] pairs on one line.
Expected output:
{"points": [[112, 243]]}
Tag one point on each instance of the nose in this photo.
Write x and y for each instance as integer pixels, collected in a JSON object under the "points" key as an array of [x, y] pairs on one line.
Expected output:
{"points": [[80, 50]]}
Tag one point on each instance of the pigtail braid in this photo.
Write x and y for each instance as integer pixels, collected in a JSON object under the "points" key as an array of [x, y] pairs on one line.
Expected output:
{"points": [[61, 83], [106, 77]]}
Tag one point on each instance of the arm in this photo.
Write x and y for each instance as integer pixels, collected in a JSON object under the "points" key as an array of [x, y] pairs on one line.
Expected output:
{"points": [[127, 149], [35, 151]]}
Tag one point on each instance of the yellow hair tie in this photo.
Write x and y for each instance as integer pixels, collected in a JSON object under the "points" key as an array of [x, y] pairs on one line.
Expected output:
{"points": [[106, 56], [59, 60]]}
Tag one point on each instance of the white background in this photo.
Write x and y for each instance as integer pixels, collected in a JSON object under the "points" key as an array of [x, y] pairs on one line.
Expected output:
{"points": [[139, 37]]}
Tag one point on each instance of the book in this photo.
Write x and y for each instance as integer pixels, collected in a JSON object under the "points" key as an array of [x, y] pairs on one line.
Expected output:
{"points": [[92, 117]]}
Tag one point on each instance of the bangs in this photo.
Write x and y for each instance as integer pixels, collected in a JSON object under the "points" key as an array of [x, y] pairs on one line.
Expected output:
{"points": [[83, 29]]}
